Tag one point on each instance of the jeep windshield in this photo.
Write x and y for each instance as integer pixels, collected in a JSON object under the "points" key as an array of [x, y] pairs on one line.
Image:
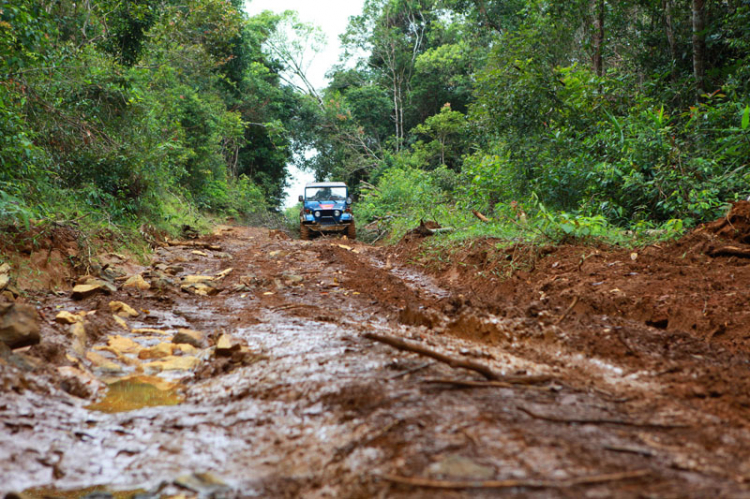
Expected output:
{"points": [[325, 194]]}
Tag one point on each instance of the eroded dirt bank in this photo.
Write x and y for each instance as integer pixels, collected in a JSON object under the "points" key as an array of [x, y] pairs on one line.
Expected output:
{"points": [[627, 375]]}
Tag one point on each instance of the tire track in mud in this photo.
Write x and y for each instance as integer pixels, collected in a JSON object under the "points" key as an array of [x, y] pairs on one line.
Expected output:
{"points": [[323, 412]]}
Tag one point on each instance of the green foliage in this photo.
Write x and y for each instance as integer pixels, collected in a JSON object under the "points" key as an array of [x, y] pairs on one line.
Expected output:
{"points": [[628, 147], [126, 33], [138, 111], [13, 211], [141, 110], [446, 131], [405, 195]]}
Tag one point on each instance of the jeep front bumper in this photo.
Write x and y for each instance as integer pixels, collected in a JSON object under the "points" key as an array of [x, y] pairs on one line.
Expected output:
{"points": [[327, 227]]}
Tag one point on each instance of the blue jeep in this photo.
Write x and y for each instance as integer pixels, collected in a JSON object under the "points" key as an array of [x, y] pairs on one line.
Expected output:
{"points": [[326, 207]]}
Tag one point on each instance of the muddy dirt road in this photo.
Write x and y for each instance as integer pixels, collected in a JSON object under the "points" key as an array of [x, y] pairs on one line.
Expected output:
{"points": [[257, 356]]}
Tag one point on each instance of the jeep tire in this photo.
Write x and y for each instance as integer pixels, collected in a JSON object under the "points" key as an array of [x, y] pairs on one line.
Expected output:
{"points": [[304, 232], [351, 231]]}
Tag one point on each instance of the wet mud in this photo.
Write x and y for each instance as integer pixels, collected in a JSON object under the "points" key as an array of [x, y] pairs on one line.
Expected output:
{"points": [[244, 370]]}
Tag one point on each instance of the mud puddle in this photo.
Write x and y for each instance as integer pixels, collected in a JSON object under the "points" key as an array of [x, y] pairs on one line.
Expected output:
{"points": [[135, 392], [90, 492]]}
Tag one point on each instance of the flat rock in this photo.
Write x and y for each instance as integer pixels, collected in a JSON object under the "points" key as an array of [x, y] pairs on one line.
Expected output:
{"points": [[91, 287], [148, 330], [161, 283], [186, 349], [121, 357], [78, 331], [190, 337], [205, 484], [158, 351], [79, 383], [122, 344], [194, 279], [226, 345], [121, 322], [223, 273], [137, 282], [66, 317], [122, 309], [200, 289], [103, 363], [173, 269], [8, 357], [19, 325], [173, 363]]}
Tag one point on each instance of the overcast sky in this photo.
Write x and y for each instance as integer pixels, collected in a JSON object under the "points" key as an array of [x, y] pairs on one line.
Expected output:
{"points": [[330, 15]]}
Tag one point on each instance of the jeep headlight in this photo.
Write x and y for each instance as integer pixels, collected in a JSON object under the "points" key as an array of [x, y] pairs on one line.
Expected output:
{"points": [[337, 213], [317, 214]]}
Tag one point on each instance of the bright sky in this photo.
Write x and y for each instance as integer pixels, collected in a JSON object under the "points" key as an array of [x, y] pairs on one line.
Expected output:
{"points": [[332, 17]]}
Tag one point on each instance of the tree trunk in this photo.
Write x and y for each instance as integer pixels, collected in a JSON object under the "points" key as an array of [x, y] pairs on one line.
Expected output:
{"points": [[699, 46], [596, 58], [396, 114], [669, 28]]}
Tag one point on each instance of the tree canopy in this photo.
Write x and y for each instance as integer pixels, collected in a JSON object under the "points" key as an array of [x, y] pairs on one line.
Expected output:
{"points": [[637, 111]]}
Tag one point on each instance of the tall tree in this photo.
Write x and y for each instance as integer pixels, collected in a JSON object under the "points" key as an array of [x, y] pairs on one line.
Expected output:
{"points": [[596, 58], [699, 46], [394, 33], [668, 7]]}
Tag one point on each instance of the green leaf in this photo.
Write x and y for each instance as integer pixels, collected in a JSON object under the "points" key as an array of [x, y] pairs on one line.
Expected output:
{"points": [[745, 118]]}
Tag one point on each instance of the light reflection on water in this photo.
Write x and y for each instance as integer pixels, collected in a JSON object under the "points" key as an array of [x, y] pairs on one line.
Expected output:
{"points": [[48, 492], [135, 392]]}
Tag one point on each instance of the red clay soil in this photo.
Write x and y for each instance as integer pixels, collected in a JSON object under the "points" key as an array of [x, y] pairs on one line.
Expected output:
{"points": [[644, 355], [735, 225], [669, 306]]}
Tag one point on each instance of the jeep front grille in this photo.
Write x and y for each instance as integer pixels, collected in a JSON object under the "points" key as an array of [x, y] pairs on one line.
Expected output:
{"points": [[327, 218]]}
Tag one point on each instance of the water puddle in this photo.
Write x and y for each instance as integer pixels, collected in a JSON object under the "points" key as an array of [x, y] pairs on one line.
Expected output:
{"points": [[414, 280], [99, 491], [136, 392]]}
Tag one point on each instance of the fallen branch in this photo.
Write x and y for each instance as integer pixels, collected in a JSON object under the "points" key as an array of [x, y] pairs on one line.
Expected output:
{"points": [[506, 484], [195, 244], [620, 422], [480, 216], [569, 310], [290, 307], [730, 251], [412, 370], [508, 382], [630, 450], [454, 362]]}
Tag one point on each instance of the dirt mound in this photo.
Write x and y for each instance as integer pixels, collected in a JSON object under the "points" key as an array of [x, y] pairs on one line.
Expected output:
{"points": [[63, 239], [735, 225], [695, 286], [42, 258]]}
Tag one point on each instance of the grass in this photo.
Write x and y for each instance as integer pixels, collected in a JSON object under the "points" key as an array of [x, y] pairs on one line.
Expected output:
{"points": [[525, 236]]}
